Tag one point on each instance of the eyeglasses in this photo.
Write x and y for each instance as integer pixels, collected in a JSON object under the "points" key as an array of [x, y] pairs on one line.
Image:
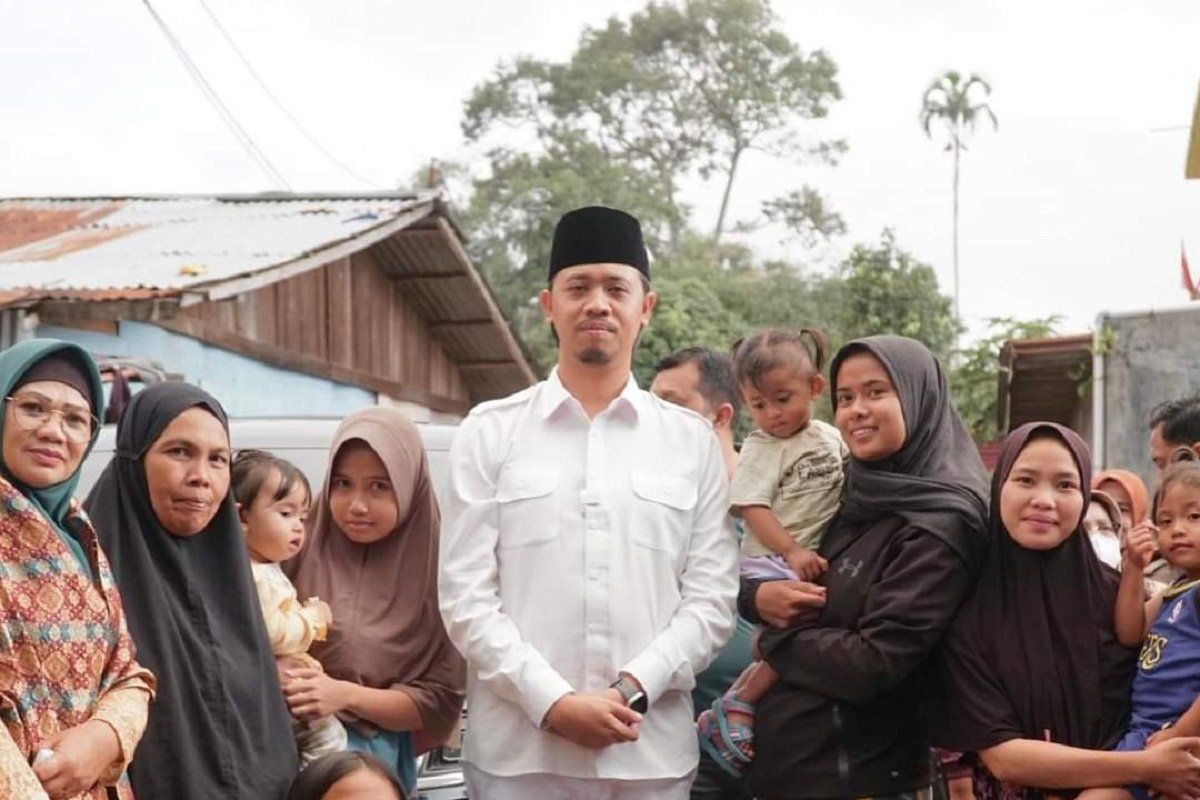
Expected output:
{"points": [[1099, 528], [33, 411]]}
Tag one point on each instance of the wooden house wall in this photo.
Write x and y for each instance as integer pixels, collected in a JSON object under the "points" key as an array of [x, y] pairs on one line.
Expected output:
{"points": [[347, 321]]}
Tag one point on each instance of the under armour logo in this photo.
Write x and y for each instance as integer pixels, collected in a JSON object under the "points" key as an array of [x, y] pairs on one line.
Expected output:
{"points": [[849, 566]]}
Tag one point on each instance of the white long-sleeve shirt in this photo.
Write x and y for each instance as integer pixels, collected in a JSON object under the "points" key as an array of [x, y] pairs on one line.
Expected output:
{"points": [[576, 549]]}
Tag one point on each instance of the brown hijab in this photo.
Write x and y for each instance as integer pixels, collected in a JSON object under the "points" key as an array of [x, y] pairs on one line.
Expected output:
{"points": [[1139, 498], [387, 631]]}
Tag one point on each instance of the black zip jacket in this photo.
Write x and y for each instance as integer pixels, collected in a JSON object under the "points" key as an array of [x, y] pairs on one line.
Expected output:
{"points": [[843, 719]]}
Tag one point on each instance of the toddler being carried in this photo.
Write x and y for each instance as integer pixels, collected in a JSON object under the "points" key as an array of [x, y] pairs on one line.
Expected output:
{"points": [[273, 497], [786, 489]]}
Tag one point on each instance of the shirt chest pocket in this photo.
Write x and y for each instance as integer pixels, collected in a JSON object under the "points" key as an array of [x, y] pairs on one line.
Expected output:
{"points": [[527, 511], [662, 514]]}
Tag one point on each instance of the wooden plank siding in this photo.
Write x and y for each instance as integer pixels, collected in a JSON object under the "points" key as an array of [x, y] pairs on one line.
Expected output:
{"points": [[348, 320]]}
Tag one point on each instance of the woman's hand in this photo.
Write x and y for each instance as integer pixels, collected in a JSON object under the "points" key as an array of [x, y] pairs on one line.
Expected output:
{"points": [[284, 666], [1172, 768], [311, 694], [81, 755], [783, 604]]}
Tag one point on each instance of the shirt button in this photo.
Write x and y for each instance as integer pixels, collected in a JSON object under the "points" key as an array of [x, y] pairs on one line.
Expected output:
{"points": [[594, 574]]}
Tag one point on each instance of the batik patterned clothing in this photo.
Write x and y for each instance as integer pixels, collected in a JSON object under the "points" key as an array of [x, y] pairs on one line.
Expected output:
{"points": [[66, 656]]}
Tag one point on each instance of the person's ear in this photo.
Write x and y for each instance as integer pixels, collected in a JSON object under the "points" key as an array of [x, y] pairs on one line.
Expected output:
{"points": [[241, 512], [1185, 453], [723, 417], [818, 384], [648, 304], [546, 304]]}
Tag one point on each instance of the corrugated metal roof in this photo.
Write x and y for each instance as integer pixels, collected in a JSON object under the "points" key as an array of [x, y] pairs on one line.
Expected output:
{"points": [[67, 246]]}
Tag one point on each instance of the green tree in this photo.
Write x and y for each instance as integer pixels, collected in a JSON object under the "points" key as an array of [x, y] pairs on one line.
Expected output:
{"points": [[883, 289], [678, 90], [974, 382], [950, 100], [511, 212], [689, 313]]}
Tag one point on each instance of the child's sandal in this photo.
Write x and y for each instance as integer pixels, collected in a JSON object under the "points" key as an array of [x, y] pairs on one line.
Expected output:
{"points": [[726, 743]]}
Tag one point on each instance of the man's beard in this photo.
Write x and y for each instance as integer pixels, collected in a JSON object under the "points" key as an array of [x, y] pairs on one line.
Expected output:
{"points": [[594, 356]]}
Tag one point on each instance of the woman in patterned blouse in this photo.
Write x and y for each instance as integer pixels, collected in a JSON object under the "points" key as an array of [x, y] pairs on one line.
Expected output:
{"points": [[73, 701]]}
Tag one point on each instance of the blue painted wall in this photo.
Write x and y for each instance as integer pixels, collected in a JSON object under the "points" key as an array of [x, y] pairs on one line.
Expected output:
{"points": [[246, 387]]}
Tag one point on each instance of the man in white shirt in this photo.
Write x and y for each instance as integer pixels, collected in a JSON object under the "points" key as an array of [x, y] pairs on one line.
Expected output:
{"points": [[588, 571]]}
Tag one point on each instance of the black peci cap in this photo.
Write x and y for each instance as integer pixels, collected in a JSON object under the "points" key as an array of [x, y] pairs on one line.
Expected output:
{"points": [[598, 235]]}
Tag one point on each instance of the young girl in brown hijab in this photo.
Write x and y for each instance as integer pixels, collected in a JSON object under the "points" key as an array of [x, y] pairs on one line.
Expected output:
{"points": [[390, 671]]}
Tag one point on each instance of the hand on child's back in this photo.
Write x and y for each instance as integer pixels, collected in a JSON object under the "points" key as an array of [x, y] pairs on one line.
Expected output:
{"points": [[1140, 546], [806, 563]]}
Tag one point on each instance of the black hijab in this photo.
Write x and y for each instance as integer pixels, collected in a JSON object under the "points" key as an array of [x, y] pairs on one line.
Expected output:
{"points": [[1032, 654], [219, 726], [936, 481]]}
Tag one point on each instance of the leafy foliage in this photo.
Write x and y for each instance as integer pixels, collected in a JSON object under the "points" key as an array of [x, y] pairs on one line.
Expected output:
{"points": [[678, 90], [886, 290], [975, 380], [950, 101]]}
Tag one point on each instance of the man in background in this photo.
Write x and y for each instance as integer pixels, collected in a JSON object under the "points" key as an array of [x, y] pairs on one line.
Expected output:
{"points": [[702, 380]]}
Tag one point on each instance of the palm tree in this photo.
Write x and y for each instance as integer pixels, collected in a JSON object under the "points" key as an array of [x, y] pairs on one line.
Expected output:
{"points": [[949, 100]]}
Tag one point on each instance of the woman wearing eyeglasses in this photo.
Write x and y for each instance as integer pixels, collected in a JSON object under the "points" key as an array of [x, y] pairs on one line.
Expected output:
{"points": [[73, 699]]}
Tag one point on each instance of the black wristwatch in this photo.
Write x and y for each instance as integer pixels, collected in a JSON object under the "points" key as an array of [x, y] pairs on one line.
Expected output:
{"points": [[631, 693]]}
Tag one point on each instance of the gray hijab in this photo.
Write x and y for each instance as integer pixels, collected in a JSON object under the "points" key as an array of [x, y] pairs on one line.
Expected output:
{"points": [[936, 481]]}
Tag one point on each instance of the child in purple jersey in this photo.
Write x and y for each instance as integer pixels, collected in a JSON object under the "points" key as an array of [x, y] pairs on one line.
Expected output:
{"points": [[1166, 691]]}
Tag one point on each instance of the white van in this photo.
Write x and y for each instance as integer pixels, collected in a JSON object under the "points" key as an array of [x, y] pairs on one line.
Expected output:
{"points": [[302, 440], [305, 441]]}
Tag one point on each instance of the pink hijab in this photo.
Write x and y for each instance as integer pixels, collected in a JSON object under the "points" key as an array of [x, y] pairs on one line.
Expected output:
{"points": [[387, 632]]}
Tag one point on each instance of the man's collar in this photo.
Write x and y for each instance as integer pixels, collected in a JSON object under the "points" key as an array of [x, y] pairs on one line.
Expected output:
{"points": [[554, 395]]}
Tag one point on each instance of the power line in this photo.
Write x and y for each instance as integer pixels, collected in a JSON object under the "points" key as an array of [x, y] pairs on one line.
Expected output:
{"points": [[279, 103], [210, 94]]}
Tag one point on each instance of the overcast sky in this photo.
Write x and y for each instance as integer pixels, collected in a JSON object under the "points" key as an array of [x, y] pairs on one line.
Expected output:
{"points": [[1076, 205]]}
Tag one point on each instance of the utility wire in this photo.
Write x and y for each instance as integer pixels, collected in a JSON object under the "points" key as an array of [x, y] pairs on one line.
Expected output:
{"points": [[210, 94], [279, 103]]}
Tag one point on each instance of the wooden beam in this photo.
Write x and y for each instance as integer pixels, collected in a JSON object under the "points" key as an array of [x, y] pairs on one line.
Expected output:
{"points": [[510, 342], [427, 276], [489, 366], [461, 323], [297, 362], [66, 312], [105, 326]]}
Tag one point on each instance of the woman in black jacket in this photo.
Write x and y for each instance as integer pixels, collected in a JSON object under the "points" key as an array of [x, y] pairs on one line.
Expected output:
{"points": [[843, 719]]}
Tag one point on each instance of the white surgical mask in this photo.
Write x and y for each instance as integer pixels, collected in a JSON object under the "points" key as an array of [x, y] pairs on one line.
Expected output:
{"points": [[1108, 548]]}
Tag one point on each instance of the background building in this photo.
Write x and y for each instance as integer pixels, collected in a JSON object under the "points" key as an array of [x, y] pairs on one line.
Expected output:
{"points": [[280, 305]]}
